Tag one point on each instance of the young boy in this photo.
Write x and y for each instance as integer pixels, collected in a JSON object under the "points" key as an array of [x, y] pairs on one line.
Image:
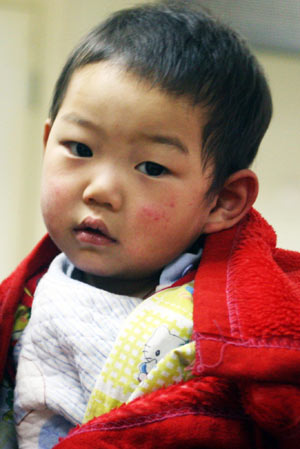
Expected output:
{"points": [[155, 120]]}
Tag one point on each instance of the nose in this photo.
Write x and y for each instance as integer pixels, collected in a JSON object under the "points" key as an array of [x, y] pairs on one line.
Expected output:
{"points": [[103, 189]]}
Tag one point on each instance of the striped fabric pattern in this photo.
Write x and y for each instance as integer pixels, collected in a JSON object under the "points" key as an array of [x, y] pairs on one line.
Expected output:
{"points": [[70, 334]]}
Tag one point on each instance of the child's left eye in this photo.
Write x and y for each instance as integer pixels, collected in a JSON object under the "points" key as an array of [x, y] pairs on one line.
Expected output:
{"points": [[152, 169], [80, 149]]}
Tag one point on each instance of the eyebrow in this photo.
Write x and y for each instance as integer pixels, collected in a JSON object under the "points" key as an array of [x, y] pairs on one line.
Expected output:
{"points": [[167, 140], [171, 141], [71, 117]]}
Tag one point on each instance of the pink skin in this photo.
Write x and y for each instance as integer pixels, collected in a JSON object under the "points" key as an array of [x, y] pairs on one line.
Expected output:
{"points": [[152, 214], [114, 219]]}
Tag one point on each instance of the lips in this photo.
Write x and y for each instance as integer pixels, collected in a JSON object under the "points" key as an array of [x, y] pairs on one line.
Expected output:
{"points": [[93, 231]]}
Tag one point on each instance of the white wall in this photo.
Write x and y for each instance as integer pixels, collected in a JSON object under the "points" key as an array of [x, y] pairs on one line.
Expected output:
{"points": [[53, 28], [14, 123], [278, 162]]}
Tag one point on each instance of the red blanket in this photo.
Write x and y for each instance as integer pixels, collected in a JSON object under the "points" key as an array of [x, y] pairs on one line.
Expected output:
{"points": [[246, 391]]}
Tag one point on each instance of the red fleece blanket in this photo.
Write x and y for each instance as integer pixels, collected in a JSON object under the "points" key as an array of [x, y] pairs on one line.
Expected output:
{"points": [[246, 391]]}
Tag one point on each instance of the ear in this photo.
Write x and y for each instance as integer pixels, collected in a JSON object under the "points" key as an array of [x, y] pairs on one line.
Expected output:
{"points": [[47, 129], [233, 201]]}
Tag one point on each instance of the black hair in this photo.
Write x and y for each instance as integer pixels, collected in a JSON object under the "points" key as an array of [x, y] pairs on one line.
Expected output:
{"points": [[183, 50]]}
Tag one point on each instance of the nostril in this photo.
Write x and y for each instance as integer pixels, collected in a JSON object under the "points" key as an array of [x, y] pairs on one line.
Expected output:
{"points": [[103, 192], [89, 199]]}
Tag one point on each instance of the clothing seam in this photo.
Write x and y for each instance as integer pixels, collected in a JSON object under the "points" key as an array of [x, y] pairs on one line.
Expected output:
{"points": [[145, 420], [232, 305], [250, 343]]}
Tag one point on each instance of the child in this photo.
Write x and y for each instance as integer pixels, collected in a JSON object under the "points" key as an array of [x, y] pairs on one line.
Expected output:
{"points": [[155, 120]]}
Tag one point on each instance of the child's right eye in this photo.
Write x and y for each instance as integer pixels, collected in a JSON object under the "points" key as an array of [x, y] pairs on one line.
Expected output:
{"points": [[80, 149], [152, 169]]}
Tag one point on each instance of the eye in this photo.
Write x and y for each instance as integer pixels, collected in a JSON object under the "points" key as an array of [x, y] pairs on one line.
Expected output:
{"points": [[152, 169], [80, 149]]}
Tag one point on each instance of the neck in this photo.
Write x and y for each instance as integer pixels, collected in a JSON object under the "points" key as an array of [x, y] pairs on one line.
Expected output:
{"points": [[139, 288]]}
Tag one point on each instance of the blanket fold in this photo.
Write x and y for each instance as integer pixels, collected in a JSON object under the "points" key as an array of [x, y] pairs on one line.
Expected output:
{"points": [[198, 413], [253, 329]]}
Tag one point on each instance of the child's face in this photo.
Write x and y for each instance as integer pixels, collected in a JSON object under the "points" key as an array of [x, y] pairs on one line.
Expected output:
{"points": [[123, 190]]}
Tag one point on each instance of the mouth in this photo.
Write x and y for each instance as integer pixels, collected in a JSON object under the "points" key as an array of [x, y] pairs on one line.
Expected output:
{"points": [[93, 231]]}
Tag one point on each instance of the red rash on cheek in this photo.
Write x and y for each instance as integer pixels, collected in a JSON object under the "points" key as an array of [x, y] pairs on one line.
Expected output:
{"points": [[153, 214], [52, 196], [172, 204], [162, 213]]}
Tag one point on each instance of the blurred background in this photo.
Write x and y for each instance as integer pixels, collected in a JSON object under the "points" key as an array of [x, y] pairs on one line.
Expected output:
{"points": [[35, 39]]}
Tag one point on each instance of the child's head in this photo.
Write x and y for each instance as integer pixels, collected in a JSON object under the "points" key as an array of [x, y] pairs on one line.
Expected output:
{"points": [[182, 50], [155, 119]]}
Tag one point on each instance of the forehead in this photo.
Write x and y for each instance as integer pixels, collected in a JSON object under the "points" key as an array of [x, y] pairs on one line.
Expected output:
{"points": [[106, 80], [104, 96]]}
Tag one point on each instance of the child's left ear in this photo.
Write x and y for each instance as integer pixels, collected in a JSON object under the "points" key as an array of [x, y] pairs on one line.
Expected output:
{"points": [[47, 129], [233, 201]]}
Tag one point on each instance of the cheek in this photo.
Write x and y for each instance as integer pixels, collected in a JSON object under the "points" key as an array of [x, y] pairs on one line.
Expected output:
{"points": [[149, 225], [151, 214], [156, 214], [53, 203]]}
